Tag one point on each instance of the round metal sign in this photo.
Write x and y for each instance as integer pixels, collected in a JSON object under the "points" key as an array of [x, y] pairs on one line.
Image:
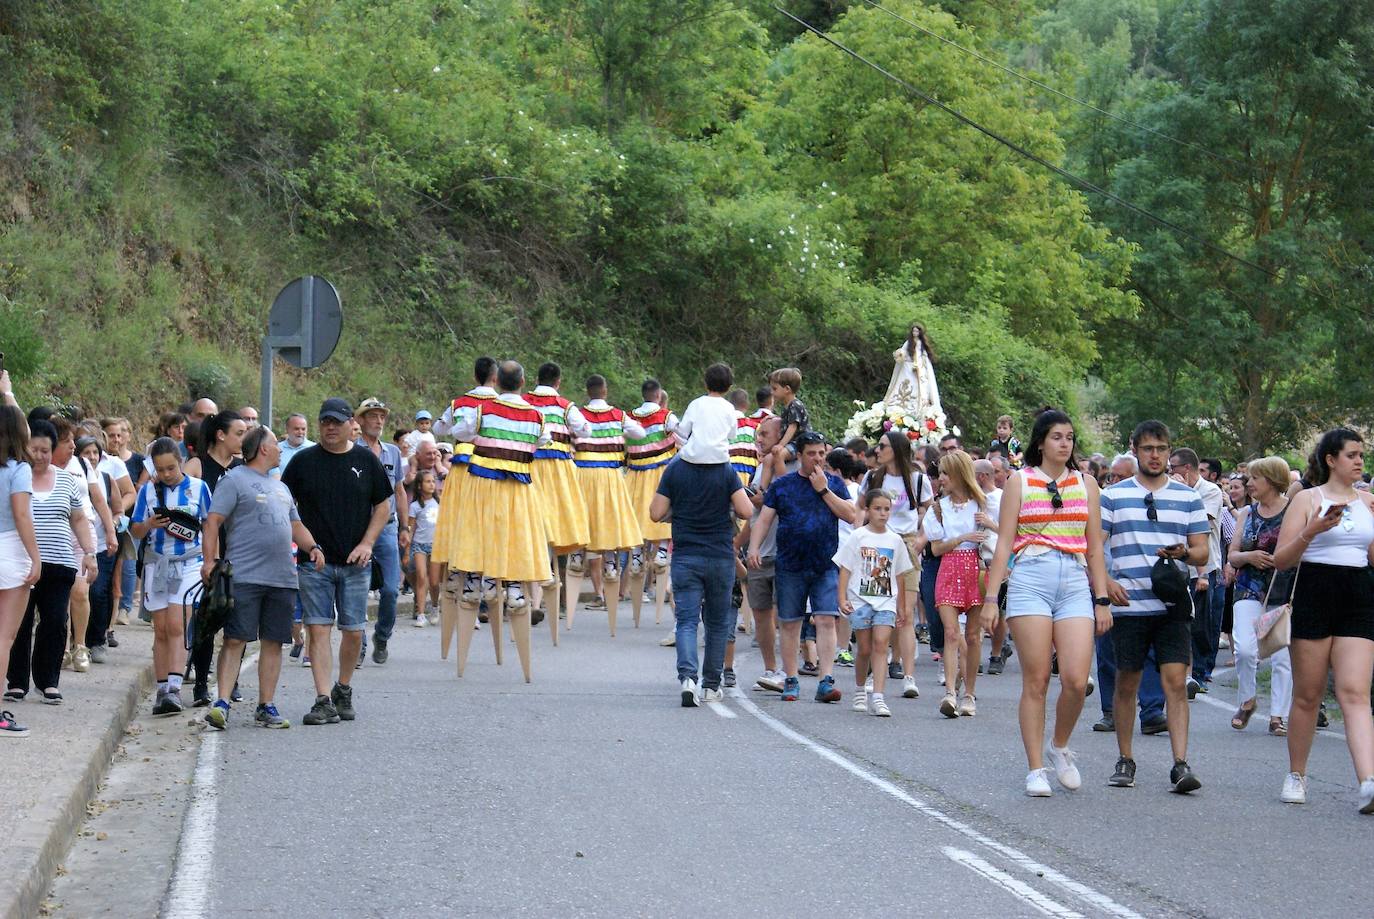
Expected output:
{"points": [[308, 316]]}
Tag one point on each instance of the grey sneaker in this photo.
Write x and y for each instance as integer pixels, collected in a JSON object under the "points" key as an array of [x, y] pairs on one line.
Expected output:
{"points": [[322, 712], [379, 652], [168, 703], [268, 716], [97, 654], [342, 697]]}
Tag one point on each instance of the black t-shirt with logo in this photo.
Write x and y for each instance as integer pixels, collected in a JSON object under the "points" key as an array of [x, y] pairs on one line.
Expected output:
{"points": [[335, 494]]}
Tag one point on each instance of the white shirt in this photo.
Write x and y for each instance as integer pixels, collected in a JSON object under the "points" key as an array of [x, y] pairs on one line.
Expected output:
{"points": [[904, 520], [706, 429], [1212, 502], [957, 520], [577, 422], [445, 423], [91, 477], [875, 561], [632, 428]]}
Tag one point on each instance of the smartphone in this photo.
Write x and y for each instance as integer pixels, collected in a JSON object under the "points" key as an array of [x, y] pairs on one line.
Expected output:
{"points": [[1334, 510]]}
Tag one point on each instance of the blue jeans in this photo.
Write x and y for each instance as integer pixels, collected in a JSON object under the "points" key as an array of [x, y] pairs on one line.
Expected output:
{"points": [[701, 592], [128, 574], [387, 552], [1151, 689], [1208, 608], [930, 570], [341, 588]]}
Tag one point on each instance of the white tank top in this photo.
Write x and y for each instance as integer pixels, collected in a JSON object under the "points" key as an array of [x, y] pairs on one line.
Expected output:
{"points": [[1347, 543]]}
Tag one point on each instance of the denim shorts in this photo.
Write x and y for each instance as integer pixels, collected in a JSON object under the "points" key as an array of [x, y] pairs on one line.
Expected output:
{"points": [[340, 589], [1050, 584], [866, 617], [794, 588]]}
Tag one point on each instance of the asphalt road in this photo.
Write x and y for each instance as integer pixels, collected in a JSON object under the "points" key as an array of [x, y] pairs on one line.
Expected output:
{"points": [[591, 792]]}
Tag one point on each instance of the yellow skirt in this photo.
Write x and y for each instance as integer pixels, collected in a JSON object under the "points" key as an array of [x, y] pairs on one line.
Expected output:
{"points": [[643, 486], [565, 510], [450, 507], [610, 515], [512, 543]]}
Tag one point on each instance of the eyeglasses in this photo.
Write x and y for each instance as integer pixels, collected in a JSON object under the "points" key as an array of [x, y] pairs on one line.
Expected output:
{"points": [[1056, 498], [1174, 467], [1150, 512]]}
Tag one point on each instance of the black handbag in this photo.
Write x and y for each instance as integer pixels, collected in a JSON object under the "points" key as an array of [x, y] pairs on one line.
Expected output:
{"points": [[1169, 582], [212, 601]]}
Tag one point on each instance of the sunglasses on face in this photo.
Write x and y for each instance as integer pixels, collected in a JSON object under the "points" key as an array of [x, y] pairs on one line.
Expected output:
{"points": [[1150, 512], [1056, 498]]}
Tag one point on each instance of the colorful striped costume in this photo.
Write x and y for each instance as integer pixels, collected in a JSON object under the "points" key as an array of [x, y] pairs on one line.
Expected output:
{"points": [[649, 455], [565, 510], [450, 506], [744, 456], [612, 521], [512, 542], [1040, 523]]}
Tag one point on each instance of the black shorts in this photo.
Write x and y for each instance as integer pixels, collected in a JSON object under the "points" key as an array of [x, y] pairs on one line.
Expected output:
{"points": [[1333, 601], [1134, 636], [261, 612]]}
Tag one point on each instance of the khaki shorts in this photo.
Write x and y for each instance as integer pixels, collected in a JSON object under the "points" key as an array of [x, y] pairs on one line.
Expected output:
{"points": [[912, 579], [759, 582]]}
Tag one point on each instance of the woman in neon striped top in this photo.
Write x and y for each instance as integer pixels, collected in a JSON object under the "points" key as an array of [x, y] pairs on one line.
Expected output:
{"points": [[1051, 523]]}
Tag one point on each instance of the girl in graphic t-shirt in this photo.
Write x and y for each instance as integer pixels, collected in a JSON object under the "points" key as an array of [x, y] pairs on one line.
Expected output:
{"points": [[424, 516]]}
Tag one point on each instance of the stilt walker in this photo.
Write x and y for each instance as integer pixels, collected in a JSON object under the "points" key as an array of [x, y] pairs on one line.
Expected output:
{"points": [[613, 525], [565, 510], [513, 546], [452, 594], [646, 457]]}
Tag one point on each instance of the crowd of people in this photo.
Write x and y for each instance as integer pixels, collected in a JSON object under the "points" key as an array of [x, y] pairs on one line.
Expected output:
{"points": [[1126, 573]]}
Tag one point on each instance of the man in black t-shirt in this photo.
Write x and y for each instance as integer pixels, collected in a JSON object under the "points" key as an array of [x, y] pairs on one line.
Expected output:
{"points": [[341, 492]]}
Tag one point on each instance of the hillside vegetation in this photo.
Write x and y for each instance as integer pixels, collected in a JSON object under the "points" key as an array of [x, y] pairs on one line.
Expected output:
{"points": [[638, 187]]}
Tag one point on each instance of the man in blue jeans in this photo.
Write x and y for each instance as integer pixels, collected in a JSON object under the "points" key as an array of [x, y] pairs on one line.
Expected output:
{"points": [[394, 539], [807, 505], [341, 492], [698, 500]]}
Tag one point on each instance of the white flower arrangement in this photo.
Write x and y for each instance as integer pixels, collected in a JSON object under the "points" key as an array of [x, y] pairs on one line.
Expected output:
{"points": [[923, 427]]}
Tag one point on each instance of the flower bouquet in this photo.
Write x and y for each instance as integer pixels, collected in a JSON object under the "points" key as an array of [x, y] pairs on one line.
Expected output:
{"points": [[922, 427]]}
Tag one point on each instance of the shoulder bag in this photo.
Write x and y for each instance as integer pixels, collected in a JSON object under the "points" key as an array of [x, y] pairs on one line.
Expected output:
{"points": [[1274, 627]]}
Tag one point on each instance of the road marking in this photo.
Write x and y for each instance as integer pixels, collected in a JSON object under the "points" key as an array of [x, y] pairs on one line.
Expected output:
{"points": [[1217, 703], [1023, 892], [721, 709], [1099, 900], [190, 885]]}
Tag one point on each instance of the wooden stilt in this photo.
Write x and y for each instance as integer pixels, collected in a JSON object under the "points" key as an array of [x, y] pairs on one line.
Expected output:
{"points": [[495, 608], [551, 608], [448, 614], [636, 594], [520, 629], [467, 622]]}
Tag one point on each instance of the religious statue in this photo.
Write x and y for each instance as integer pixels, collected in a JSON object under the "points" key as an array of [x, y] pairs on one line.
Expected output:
{"points": [[913, 387]]}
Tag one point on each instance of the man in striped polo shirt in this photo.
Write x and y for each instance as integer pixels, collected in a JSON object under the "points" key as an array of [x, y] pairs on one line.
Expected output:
{"points": [[1144, 518]]}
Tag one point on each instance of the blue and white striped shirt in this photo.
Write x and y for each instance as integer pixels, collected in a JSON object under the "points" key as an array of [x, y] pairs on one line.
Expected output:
{"points": [[1133, 539], [190, 496]]}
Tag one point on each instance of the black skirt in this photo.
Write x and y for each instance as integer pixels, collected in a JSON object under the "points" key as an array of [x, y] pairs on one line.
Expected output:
{"points": [[1333, 601]]}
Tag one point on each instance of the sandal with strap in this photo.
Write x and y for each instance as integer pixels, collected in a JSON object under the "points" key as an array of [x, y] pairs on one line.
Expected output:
{"points": [[1242, 716], [1277, 727]]}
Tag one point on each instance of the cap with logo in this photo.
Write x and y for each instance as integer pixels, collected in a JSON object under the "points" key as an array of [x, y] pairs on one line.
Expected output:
{"points": [[335, 409], [373, 405]]}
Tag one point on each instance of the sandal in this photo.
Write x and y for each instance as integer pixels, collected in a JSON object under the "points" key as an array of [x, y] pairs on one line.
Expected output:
{"points": [[1277, 727], [1242, 716]]}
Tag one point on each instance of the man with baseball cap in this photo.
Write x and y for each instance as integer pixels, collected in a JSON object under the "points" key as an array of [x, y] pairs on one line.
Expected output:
{"points": [[395, 536], [343, 494]]}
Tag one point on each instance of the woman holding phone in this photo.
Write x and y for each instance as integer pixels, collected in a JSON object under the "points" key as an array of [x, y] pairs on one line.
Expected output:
{"points": [[1329, 532]]}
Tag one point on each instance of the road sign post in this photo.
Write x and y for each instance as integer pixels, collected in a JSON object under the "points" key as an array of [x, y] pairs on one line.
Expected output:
{"points": [[303, 328]]}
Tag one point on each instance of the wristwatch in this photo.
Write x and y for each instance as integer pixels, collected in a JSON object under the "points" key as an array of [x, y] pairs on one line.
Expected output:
{"points": [[1102, 601]]}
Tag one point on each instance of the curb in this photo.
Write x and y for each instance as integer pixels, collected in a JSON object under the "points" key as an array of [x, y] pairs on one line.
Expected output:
{"points": [[39, 876]]}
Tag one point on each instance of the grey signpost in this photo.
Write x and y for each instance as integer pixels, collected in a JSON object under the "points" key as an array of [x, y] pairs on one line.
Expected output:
{"points": [[303, 328]]}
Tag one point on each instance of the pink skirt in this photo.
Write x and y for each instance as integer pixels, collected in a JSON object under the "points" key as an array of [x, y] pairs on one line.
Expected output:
{"points": [[957, 583]]}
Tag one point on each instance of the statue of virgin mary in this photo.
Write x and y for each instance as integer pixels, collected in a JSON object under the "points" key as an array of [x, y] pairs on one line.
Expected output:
{"points": [[913, 386]]}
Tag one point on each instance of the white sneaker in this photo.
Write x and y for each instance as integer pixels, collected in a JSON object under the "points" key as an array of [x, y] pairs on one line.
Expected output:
{"points": [[1038, 783], [909, 690], [420, 621], [661, 558], [637, 562], [868, 684], [942, 676], [878, 706], [1065, 769], [968, 706], [948, 707], [860, 700], [1092, 685], [772, 680], [668, 641], [1294, 789], [1367, 796], [689, 694], [712, 695], [305, 660], [515, 597]]}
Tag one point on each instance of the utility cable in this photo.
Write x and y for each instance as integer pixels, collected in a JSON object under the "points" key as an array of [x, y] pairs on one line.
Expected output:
{"points": [[1063, 95]]}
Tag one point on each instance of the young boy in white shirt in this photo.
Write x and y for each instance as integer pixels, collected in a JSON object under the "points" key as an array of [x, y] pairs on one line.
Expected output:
{"points": [[708, 424], [872, 560]]}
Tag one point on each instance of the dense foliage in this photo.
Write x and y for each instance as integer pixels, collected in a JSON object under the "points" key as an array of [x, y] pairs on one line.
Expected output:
{"points": [[640, 187]]}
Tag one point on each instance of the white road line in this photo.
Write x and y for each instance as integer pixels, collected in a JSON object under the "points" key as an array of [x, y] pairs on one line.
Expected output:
{"points": [[1098, 900], [721, 709], [1023, 892], [1217, 703], [190, 884]]}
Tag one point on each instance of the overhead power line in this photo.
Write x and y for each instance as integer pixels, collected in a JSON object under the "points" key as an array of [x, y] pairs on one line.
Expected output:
{"points": [[1075, 180], [1060, 93]]}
